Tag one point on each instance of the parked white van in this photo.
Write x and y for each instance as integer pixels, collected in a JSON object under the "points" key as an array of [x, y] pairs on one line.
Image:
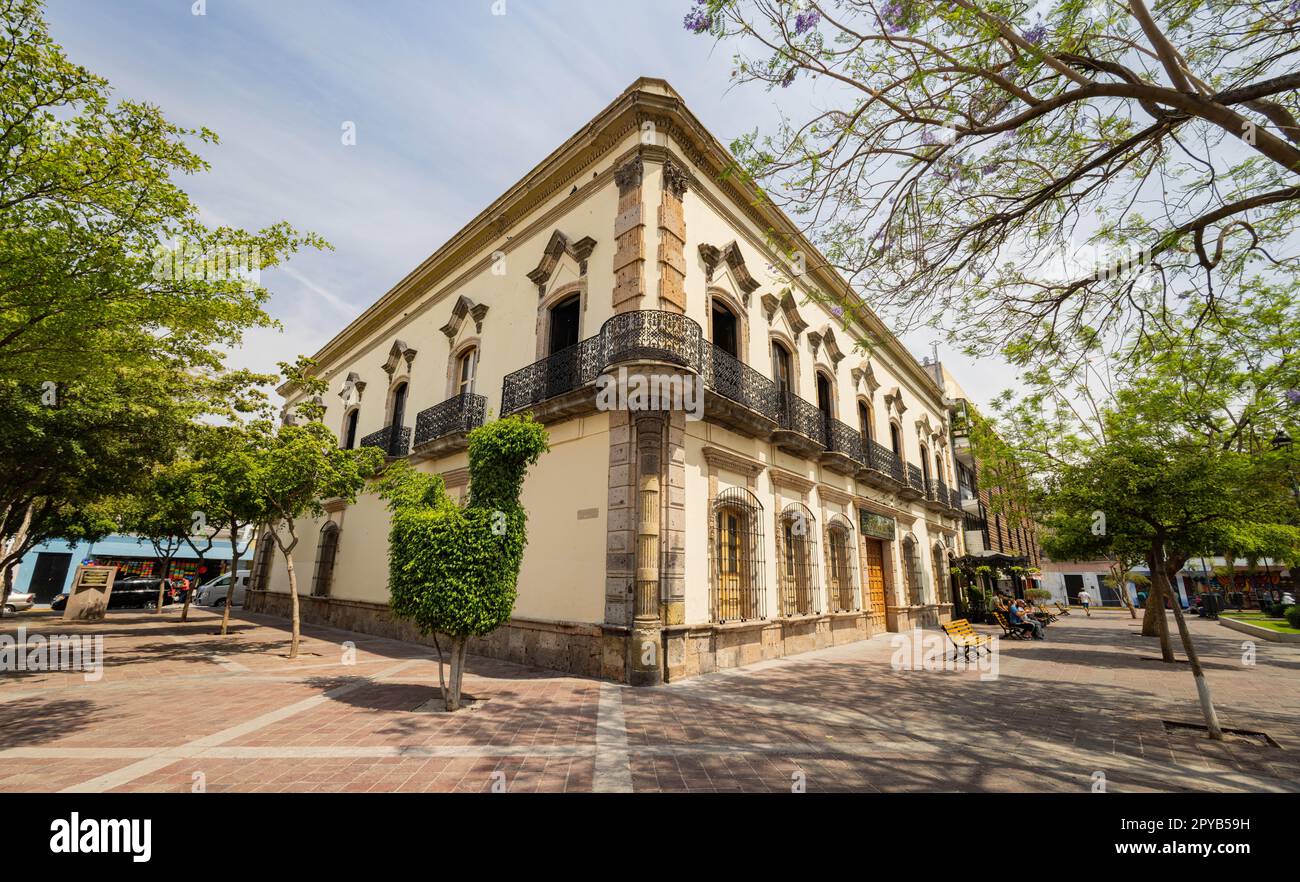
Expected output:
{"points": [[214, 593]]}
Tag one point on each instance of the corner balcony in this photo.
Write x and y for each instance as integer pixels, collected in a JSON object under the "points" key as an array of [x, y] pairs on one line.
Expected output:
{"points": [[563, 385], [444, 428], [394, 441]]}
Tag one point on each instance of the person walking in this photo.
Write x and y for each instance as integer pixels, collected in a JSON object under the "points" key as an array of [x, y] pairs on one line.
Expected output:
{"points": [[1085, 601]]}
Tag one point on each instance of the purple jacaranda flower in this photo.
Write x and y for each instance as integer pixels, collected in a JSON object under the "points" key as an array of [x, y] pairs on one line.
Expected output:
{"points": [[698, 20], [1036, 34], [988, 169], [892, 14], [805, 22], [927, 137], [837, 311], [1293, 395], [789, 77]]}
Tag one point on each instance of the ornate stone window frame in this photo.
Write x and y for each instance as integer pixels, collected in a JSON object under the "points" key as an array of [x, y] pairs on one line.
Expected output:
{"points": [[730, 255], [775, 335], [554, 299], [558, 246], [453, 362], [734, 307]]}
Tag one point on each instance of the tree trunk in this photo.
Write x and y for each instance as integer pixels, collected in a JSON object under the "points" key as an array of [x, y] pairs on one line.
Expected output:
{"points": [[1156, 602], [458, 645], [230, 591], [293, 603], [162, 583], [8, 584], [1202, 686]]}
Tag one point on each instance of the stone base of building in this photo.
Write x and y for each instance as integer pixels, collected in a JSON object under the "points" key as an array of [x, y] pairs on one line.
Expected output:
{"points": [[692, 650], [592, 650], [929, 615], [575, 648]]}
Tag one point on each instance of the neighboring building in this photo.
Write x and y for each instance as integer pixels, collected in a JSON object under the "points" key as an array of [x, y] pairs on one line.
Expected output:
{"points": [[48, 569], [810, 505], [998, 530], [1066, 578]]}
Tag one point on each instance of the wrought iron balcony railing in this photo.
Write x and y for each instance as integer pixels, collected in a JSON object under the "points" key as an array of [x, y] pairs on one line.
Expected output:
{"points": [[393, 440], [882, 459], [652, 334], [456, 415], [915, 478], [954, 497], [736, 381], [842, 438], [801, 417], [570, 368]]}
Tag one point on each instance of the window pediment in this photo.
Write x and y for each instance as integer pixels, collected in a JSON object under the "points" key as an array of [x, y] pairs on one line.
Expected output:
{"points": [[559, 246], [865, 375], [465, 308], [353, 386], [788, 308], [396, 355], [730, 256]]}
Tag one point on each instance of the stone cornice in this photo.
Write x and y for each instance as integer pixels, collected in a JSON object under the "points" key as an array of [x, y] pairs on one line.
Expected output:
{"points": [[834, 494], [726, 459], [782, 478]]}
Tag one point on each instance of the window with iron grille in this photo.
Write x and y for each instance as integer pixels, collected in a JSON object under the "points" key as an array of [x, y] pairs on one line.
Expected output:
{"points": [[799, 592], [738, 590], [265, 551], [841, 587], [912, 571], [326, 552]]}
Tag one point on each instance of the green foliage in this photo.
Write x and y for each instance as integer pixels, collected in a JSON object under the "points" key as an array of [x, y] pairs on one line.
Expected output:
{"points": [[454, 569], [1013, 167], [98, 243], [1293, 616], [1038, 594]]}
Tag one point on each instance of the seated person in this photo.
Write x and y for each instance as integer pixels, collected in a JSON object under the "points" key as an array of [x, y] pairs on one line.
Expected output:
{"points": [[1018, 621]]}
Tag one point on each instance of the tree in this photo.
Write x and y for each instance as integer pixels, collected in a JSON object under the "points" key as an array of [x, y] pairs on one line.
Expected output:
{"points": [[300, 467], [1164, 452], [230, 456], [953, 150], [453, 569], [100, 250]]}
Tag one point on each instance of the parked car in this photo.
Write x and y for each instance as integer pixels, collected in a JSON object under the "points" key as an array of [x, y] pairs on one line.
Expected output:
{"points": [[133, 593], [18, 602], [214, 593]]}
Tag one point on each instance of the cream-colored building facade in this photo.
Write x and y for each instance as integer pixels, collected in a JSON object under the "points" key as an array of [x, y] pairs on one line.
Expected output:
{"points": [[798, 493]]}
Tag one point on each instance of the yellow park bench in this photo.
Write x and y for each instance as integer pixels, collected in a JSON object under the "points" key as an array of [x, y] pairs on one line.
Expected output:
{"points": [[964, 638]]}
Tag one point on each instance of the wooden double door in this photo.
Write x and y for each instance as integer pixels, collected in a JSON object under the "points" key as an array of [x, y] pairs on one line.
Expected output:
{"points": [[875, 581]]}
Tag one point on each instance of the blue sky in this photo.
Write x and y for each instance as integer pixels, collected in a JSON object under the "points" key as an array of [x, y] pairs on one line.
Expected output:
{"points": [[452, 104]]}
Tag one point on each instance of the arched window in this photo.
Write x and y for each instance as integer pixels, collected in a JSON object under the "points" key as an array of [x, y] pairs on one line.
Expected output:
{"points": [[738, 590], [912, 573], [865, 421], [841, 586], [726, 334], [896, 439], [825, 395], [326, 552], [397, 409], [265, 551], [782, 374], [564, 324], [466, 369], [925, 465], [939, 561], [799, 592], [350, 428]]}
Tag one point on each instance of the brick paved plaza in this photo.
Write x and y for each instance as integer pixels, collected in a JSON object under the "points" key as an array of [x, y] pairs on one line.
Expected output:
{"points": [[178, 704]]}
